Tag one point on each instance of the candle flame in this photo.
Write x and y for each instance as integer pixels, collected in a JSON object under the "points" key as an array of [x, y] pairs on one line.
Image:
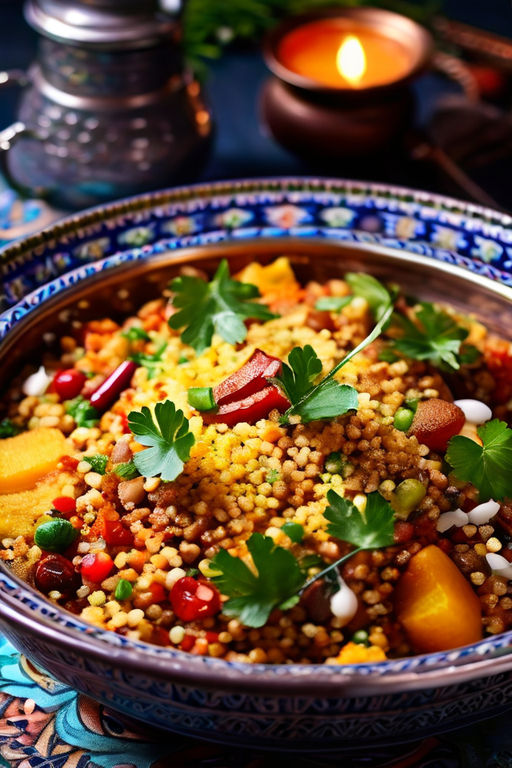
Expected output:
{"points": [[351, 60]]}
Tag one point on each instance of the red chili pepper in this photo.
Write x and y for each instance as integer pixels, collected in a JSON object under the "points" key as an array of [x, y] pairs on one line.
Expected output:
{"points": [[250, 378], [116, 535], [192, 599], [68, 384], [251, 409], [96, 566], [113, 385], [66, 505]]}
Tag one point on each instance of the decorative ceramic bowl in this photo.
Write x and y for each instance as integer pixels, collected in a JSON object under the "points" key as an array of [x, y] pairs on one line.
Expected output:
{"points": [[326, 228]]}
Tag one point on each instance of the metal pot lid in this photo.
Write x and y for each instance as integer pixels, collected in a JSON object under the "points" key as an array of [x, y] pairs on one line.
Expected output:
{"points": [[103, 23]]}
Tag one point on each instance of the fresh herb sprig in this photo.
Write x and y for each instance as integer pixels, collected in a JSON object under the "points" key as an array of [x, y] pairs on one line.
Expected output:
{"points": [[368, 287], [84, 414], [434, 336], [280, 578], [488, 466], [98, 463], [169, 439], [220, 306], [328, 398], [9, 429], [126, 470]]}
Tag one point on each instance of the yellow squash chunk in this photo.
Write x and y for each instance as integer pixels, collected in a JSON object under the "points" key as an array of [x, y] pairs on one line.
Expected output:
{"points": [[26, 458], [19, 512], [435, 604], [270, 279]]}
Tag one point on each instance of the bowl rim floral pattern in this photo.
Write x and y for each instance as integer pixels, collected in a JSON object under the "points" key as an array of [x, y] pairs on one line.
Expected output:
{"points": [[27, 609]]}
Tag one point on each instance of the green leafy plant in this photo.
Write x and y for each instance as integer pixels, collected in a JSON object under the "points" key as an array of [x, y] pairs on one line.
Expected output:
{"points": [[252, 597], [168, 438], [127, 470], [8, 429], [371, 530], [220, 306], [98, 463], [369, 288], [153, 363], [434, 336], [84, 414], [489, 466], [328, 398]]}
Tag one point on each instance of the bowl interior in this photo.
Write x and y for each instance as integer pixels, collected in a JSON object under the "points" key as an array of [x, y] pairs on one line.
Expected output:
{"points": [[118, 291]]}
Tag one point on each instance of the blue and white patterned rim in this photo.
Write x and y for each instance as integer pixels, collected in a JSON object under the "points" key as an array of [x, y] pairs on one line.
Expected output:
{"points": [[217, 213]]}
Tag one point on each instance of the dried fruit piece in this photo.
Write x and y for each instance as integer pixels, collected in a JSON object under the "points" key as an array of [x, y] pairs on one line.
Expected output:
{"points": [[436, 421]]}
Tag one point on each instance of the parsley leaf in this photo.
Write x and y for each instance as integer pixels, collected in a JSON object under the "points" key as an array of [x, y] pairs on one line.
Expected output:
{"points": [[298, 377], [489, 466], [220, 306], [84, 414], [127, 470], [436, 337], [8, 429], [169, 439], [152, 363], [369, 288], [253, 597], [328, 398], [332, 303], [135, 333], [294, 531], [372, 530], [98, 462]]}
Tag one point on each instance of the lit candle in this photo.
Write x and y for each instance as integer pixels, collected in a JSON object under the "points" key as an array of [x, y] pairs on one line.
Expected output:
{"points": [[342, 53]]}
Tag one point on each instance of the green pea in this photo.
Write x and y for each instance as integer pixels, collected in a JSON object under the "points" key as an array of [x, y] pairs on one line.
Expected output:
{"points": [[361, 637], [403, 419], [334, 463], [123, 590], [407, 496], [55, 535]]}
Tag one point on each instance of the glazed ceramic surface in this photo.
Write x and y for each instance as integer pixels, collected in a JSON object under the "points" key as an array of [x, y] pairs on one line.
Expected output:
{"points": [[424, 241]]}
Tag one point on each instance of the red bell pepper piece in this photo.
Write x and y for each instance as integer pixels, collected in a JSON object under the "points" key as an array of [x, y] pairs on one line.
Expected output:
{"points": [[192, 599], [251, 409], [250, 378], [112, 387]]}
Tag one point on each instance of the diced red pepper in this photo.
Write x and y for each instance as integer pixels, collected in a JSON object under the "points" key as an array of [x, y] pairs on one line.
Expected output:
{"points": [[158, 593], [66, 505], [113, 385], [96, 566], [69, 463], [192, 599], [250, 378], [251, 409]]}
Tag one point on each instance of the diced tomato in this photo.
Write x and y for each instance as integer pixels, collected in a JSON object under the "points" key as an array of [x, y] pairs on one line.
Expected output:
{"points": [[69, 463], [251, 409], [66, 505], [96, 566], [403, 532], [116, 535], [250, 378], [498, 357], [192, 599], [158, 593], [187, 643], [68, 384]]}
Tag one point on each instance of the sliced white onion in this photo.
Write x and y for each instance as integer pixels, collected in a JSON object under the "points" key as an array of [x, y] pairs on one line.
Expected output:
{"points": [[475, 411], [499, 564], [447, 520], [481, 514], [344, 604], [37, 383]]}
